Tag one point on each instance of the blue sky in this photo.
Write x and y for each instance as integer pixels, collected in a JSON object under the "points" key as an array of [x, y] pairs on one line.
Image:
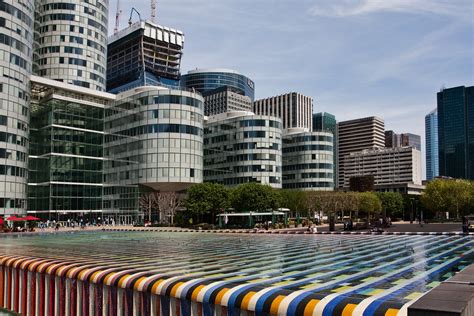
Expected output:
{"points": [[354, 57]]}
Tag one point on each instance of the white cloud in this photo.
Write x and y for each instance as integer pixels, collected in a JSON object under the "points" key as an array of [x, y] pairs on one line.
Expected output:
{"points": [[344, 8]]}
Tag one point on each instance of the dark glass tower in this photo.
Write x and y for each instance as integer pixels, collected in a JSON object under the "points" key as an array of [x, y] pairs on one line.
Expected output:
{"points": [[205, 80], [456, 132]]}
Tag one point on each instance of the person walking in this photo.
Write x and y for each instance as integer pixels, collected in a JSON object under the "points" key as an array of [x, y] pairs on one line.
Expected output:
{"points": [[465, 225]]}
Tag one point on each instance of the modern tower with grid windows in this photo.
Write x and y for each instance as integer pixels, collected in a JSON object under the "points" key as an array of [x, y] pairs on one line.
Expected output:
{"points": [[16, 40], [70, 42]]}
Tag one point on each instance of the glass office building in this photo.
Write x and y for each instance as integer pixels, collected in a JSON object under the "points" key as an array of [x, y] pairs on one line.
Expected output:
{"points": [[241, 147], [16, 38], [431, 134], [154, 141], [456, 132], [66, 150], [205, 80], [308, 161], [326, 122], [71, 42]]}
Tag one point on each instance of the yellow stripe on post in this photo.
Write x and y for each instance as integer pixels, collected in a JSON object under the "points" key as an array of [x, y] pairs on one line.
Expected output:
{"points": [[220, 295], [196, 293], [308, 310], [174, 289], [276, 304], [392, 312], [348, 309], [245, 301]]}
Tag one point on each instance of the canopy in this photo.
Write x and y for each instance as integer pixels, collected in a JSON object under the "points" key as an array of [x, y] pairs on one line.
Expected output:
{"points": [[1, 221], [13, 218], [30, 218]]}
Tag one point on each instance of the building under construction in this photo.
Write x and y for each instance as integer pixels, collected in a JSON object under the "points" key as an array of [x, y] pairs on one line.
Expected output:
{"points": [[144, 54]]}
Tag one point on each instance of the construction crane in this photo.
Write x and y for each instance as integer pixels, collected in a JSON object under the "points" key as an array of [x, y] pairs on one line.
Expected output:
{"points": [[153, 10], [131, 14], [117, 17]]}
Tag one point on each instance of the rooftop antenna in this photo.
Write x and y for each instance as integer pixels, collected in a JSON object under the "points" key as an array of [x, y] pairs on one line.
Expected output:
{"points": [[117, 18], [153, 10], [131, 13]]}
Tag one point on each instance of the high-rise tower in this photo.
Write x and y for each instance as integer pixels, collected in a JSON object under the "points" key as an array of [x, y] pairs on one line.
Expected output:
{"points": [[71, 42], [456, 132], [16, 38], [356, 135], [431, 133]]}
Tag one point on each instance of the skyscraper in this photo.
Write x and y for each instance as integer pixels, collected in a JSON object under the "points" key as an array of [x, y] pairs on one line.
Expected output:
{"points": [[432, 155], [326, 122], [225, 99], [294, 109], [456, 132], [16, 40], [393, 140], [144, 54], [356, 135], [70, 42]]}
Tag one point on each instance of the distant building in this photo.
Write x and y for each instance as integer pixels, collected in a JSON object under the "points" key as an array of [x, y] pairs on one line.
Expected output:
{"points": [[242, 147], [393, 169], [456, 132], [308, 161], [432, 154], [393, 139], [66, 153], [356, 135], [294, 109], [225, 99], [71, 42], [144, 54], [326, 122], [205, 80]]}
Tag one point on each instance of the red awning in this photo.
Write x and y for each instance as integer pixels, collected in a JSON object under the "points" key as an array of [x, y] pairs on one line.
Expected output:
{"points": [[1, 221], [13, 218], [30, 218]]}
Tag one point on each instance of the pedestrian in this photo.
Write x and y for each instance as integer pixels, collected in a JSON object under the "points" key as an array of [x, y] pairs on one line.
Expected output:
{"points": [[465, 225]]}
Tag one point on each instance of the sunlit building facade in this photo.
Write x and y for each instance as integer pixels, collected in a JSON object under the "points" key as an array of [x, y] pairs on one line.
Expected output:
{"points": [[242, 147], [70, 43], [16, 41]]}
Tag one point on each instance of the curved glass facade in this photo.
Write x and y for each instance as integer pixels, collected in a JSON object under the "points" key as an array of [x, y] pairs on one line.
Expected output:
{"points": [[308, 162], [70, 42], [16, 37], [241, 149], [153, 138], [206, 80]]}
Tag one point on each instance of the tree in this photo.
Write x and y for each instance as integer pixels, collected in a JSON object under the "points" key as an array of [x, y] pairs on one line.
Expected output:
{"points": [[294, 200], [148, 201], [254, 197], [369, 203], [168, 203], [454, 196], [392, 203], [207, 199]]}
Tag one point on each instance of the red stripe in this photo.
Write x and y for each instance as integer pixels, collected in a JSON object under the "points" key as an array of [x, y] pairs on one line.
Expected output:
{"points": [[2, 285], [52, 294], [33, 293], [24, 292], [8, 288], [16, 294], [41, 294]]}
